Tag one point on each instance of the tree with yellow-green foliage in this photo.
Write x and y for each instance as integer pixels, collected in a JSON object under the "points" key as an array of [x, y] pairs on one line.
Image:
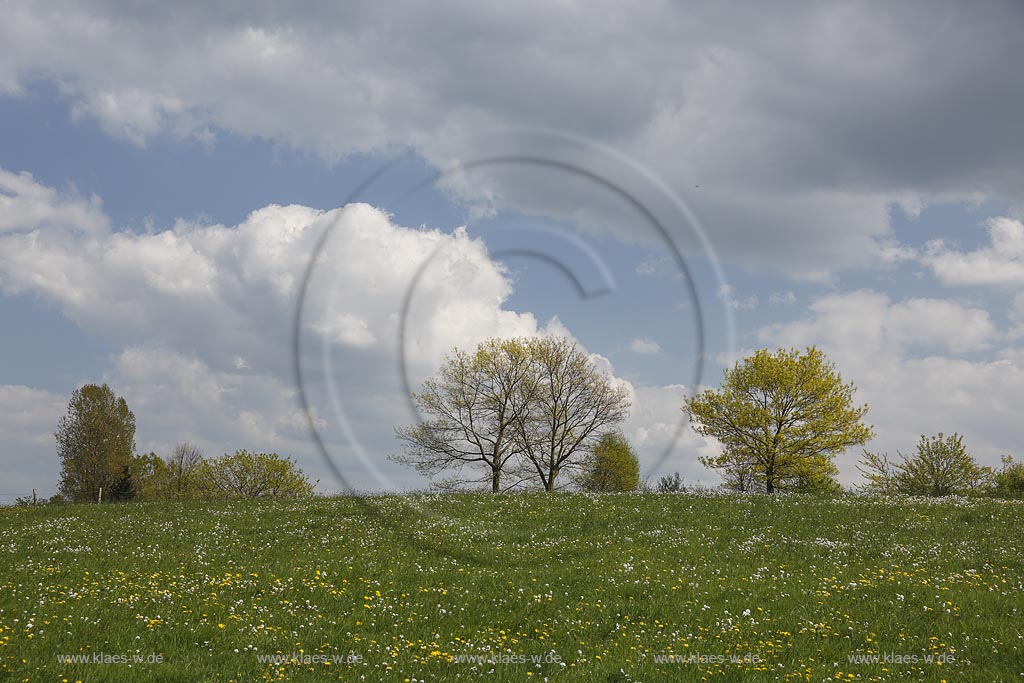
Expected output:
{"points": [[781, 418], [247, 474], [613, 466]]}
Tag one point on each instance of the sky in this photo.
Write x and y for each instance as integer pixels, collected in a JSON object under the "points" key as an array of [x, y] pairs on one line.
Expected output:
{"points": [[264, 225]]}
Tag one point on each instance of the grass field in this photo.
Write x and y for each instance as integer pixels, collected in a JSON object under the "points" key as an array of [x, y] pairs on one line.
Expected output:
{"points": [[566, 587]]}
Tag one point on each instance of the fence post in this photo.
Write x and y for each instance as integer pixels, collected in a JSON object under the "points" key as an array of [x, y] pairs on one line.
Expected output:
{"points": [[100, 499], [34, 500]]}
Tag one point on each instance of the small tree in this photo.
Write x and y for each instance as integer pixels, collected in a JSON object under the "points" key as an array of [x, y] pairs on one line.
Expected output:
{"points": [[151, 477], [95, 442], [670, 484], [125, 487], [940, 467], [780, 418], [613, 466], [1008, 482], [181, 475], [184, 466], [258, 475]]}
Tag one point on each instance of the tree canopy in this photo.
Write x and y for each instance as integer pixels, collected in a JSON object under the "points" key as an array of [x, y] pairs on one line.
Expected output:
{"points": [[95, 443], [472, 408], [613, 466], [573, 404], [523, 409], [781, 418]]}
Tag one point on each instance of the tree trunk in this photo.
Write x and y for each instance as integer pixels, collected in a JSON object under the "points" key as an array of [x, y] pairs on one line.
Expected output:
{"points": [[549, 485], [495, 481]]}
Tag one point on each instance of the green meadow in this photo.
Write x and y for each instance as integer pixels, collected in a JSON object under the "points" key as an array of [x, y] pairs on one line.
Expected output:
{"points": [[546, 587]]}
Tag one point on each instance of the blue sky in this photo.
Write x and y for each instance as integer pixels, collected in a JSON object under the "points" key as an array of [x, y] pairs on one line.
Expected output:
{"points": [[843, 178]]}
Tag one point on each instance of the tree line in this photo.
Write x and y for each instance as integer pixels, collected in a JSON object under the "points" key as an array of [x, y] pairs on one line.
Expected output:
{"points": [[783, 417], [537, 412], [96, 447], [520, 412]]}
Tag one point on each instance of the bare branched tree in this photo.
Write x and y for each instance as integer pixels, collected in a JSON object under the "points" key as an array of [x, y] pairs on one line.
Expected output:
{"points": [[515, 411], [183, 466], [472, 406], [574, 405]]}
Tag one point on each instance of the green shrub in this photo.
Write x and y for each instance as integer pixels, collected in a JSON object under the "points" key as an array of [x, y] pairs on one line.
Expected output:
{"points": [[613, 466], [1009, 481]]}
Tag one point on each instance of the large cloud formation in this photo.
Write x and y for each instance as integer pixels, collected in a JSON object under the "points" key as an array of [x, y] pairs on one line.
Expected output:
{"points": [[791, 132], [199, 318]]}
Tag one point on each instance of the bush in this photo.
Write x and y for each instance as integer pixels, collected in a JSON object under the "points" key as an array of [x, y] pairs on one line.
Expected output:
{"points": [[613, 466], [186, 475], [258, 475], [1008, 482], [940, 467], [670, 484]]}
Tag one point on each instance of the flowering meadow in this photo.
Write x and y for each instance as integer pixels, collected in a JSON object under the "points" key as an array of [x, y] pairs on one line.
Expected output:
{"points": [[563, 587]]}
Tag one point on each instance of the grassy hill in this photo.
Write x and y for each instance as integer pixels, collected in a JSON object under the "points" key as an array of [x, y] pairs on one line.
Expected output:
{"points": [[566, 587]]}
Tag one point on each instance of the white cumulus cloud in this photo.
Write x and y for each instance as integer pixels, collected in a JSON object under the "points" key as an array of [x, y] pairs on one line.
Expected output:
{"points": [[643, 345], [727, 295], [999, 263], [199, 321]]}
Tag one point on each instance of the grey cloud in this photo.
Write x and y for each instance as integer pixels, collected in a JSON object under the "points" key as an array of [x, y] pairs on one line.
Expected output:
{"points": [[799, 125]]}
